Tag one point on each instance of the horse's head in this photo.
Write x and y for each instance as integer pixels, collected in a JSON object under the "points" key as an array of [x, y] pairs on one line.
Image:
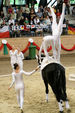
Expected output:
{"points": [[38, 59]]}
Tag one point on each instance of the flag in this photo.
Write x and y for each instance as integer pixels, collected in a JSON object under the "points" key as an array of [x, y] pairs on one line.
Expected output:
{"points": [[21, 27], [71, 29], [4, 32]]}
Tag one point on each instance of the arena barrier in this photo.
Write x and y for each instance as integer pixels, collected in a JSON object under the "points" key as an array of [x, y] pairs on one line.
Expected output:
{"points": [[68, 44]]}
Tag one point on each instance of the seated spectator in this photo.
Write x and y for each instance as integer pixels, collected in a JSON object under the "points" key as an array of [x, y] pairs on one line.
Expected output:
{"points": [[27, 9], [26, 22], [73, 11], [49, 12], [41, 9], [16, 32], [1, 22], [36, 20], [13, 15], [10, 9], [31, 21], [47, 20], [11, 21], [24, 14], [39, 30], [39, 13], [19, 13], [41, 20], [2, 14], [21, 21], [32, 13], [45, 14], [67, 8], [32, 29], [15, 9], [58, 13]]}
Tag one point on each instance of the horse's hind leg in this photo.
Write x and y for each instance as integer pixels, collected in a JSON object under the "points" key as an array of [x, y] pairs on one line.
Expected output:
{"points": [[47, 91], [64, 90]]}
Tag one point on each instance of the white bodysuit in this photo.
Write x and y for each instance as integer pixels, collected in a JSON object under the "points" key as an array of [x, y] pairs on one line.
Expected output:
{"points": [[20, 58], [13, 56], [17, 78], [56, 32], [54, 39]]}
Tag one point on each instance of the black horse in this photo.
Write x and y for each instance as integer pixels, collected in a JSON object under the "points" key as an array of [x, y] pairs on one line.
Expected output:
{"points": [[54, 75]]}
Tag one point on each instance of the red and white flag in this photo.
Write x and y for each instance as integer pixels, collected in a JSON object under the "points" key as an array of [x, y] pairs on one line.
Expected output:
{"points": [[4, 32]]}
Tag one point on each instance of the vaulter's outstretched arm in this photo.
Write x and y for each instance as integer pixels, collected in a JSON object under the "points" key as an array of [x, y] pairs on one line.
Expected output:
{"points": [[60, 25]]}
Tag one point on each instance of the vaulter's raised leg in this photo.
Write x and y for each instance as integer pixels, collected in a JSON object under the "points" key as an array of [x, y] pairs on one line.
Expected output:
{"points": [[54, 23], [60, 25]]}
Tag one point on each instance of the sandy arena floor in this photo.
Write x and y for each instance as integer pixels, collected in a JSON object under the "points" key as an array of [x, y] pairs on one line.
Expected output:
{"points": [[34, 100]]}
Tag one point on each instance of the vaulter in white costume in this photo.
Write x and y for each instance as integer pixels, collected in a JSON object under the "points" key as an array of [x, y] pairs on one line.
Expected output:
{"points": [[13, 56], [54, 40], [17, 78], [20, 58]]}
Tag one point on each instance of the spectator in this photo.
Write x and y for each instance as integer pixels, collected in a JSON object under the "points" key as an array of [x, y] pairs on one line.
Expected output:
{"points": [[47, 20], [10, 9], [67, 6], [26, 22], [21, 21], [32, 13], [11, 21], [39, 30], [73, 11], [2, 14], [16, 30], [19, 13], [41, 20], [15, 9], [36, 20], [31, 21], [49, 12], [24, 14], [41, 9], [13, 15], [39, 13], [27, 9], [1, 22], [58, 13]]}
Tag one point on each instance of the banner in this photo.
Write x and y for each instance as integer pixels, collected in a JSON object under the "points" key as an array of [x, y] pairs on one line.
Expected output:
{"points": [[71, 30], [4, 32]]}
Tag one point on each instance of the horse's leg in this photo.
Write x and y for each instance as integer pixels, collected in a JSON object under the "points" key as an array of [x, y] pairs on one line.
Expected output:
{"points": [[46, 91], [57, 94], [55, 85], [64, 90]]}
